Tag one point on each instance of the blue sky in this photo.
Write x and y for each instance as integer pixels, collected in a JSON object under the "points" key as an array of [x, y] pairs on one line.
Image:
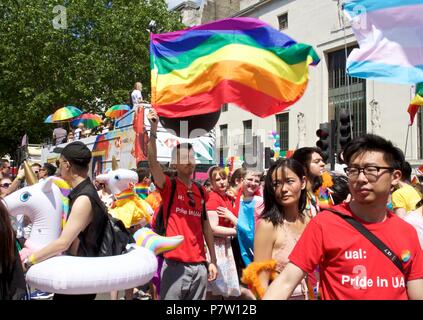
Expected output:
{"points": [[172, 3]]}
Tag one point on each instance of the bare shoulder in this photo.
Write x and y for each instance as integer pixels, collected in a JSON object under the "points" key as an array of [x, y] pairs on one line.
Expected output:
{"points": [[265, 226]]}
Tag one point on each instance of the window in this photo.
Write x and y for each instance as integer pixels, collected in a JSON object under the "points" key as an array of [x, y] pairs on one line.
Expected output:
{"points": [[419, 117], [225, 107], [282, 127], [345, 92], [247, 147], [283, 21], [223, 135]]}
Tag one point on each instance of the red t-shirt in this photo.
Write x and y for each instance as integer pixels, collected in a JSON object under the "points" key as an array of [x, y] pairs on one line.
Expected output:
{"points": [[184, 220], [351, 267], [216, 200]]}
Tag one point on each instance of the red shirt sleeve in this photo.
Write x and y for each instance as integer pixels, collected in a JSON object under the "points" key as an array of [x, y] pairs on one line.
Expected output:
{"points": [[308, 252], [212, 202]]}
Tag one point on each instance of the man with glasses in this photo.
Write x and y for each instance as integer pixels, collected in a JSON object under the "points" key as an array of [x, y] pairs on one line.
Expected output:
{"points": [[351, 266], [184, 271]]}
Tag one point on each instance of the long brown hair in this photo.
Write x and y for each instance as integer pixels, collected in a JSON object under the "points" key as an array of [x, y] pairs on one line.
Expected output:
{"points": [[7, 238]]}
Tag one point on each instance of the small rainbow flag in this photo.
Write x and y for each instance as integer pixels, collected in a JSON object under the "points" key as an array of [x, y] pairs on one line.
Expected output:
{"points": [[141, 190], [236, 60], [416, 103]]}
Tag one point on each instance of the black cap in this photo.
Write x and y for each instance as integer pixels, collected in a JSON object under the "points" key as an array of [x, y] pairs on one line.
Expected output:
{"points": [[75, 152]]}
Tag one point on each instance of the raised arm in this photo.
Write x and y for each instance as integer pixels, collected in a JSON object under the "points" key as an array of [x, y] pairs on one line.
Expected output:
{"points": [[156, 170]]}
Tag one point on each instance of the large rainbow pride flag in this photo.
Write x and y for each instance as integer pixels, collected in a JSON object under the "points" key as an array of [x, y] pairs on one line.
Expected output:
{"points": [[390, 35], [238, 60]]}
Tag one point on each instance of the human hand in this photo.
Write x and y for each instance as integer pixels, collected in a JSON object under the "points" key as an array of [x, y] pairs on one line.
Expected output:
{"points": [[223, 212], [212, 271], [21, 174], [152, 117]]}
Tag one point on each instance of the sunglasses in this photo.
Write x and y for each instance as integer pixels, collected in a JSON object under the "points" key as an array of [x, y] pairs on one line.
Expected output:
{"points": [[5, 185], [191, 200]]}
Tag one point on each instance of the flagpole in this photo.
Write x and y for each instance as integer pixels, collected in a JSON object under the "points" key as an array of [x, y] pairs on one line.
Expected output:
{"points": [[406, 141], [347, 78]]}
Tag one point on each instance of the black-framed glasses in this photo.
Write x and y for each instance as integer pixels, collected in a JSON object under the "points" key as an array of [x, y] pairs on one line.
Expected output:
{"points": [[5, 185], [191, 200], [371, 172]]}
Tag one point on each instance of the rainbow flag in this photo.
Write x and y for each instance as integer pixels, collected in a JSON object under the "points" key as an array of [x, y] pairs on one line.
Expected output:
{"points": [[389, 33], [141, 190], [237, 60], [416, 103]]}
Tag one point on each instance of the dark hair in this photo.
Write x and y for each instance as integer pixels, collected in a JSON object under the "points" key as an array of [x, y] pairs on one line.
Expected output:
{"points": [[238, 174], [393, 156], [7, 243], [143, 173], [303, 156], [51, 169], [273, 210], [340, 188], [406, 171]]}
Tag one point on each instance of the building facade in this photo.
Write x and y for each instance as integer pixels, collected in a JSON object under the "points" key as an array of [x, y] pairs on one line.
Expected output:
{"points": [[377, 107], [200, 12]]}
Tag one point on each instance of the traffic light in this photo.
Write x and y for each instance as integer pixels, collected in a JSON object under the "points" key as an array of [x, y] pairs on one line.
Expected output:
{"points": [[324, 133], [344, 128]]}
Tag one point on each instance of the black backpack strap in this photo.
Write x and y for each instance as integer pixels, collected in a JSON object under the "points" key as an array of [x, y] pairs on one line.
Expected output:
{"points": [[372, 238], [203, 199], [172, 194]]}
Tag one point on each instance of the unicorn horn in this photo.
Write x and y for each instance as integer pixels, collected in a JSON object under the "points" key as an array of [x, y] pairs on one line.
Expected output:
{"points": [[114, 163], [30, 176]]}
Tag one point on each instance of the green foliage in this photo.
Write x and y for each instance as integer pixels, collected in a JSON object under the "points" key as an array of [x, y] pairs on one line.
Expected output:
{"points": [[91, 62]]}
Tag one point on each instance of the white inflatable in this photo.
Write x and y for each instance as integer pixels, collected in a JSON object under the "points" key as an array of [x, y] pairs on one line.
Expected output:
{"points": [[76, 275], [45, 203]]}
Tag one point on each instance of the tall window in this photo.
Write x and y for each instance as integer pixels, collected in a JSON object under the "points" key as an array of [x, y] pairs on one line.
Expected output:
{"points": [[282, 126], [225, 107], [345, 91], [247, 147], [283, 21], [223, 135], [223, 143], [420, 132]]}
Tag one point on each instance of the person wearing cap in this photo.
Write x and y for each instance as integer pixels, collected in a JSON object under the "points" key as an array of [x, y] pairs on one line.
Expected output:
{"points": [[83, 231]]}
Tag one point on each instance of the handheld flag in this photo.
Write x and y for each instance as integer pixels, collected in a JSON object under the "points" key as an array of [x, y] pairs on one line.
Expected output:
{"points": [[389, 33], [237, 60], [416, 103]]}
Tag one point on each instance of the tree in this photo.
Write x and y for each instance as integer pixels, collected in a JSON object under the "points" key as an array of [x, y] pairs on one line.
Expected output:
{"points": [[85, 53]]}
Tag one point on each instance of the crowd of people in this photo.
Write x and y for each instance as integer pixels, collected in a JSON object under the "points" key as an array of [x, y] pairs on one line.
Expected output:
{"points": [[296, 231], [61, 135]]}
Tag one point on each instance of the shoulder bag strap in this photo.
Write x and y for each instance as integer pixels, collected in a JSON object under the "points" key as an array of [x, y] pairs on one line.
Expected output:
{"points": [[172, 194], [203, 200], [372, 238]]}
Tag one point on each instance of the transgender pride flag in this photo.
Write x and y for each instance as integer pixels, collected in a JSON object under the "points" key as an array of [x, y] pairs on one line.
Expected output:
{"points": [[390, 35]]}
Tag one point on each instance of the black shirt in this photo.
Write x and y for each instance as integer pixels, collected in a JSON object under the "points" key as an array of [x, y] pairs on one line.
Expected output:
{"points": [[91, 237]]}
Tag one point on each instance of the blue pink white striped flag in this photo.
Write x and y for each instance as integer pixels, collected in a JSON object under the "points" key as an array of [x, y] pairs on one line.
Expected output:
{"points": [[390, 36]]}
